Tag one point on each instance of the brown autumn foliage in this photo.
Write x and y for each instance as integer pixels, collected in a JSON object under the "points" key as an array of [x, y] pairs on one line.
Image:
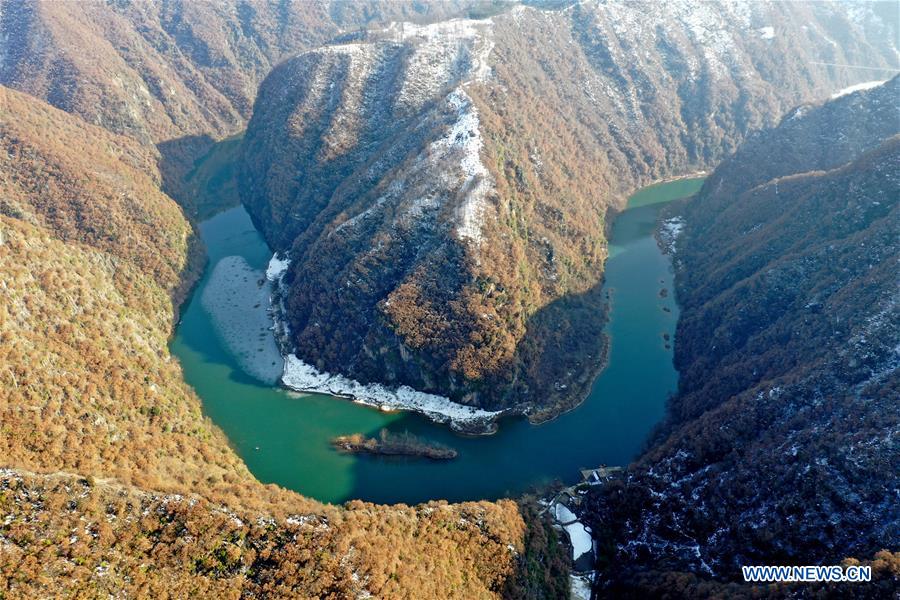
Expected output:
{"points": [[573, 118], [124, 84], [87, 537], [92, 255], [176, 74]]}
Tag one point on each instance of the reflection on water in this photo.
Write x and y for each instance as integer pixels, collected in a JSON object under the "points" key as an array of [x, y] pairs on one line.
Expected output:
{"points": [[284, 436]]}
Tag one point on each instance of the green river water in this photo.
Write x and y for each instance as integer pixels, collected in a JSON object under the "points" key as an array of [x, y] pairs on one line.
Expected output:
{"points": [[283, 436]]}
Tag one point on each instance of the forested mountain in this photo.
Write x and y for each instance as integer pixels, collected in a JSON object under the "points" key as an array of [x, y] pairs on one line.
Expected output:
{"points": [[92, 256], [779, 447], [443, 190], [175, 74]]}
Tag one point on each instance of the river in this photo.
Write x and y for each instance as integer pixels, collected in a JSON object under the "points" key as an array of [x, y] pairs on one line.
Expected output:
{"points": [[284, 437]]}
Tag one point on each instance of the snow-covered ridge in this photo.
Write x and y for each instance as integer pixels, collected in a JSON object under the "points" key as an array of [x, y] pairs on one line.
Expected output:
{"points": [[714, 39], [464, 137], [434, 64], [302, 377], [445, 52], [447, 55]]}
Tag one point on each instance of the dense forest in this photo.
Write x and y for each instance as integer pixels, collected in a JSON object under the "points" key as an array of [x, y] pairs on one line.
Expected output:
{"points": [[444, 190], [88, 537], [98, 430], [113, 480], [177, 75], [778, 446]]}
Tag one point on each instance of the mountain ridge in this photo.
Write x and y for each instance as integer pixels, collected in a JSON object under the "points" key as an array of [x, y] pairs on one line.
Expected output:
{"points": [[175, 75], [777, 448], [469, 289]]}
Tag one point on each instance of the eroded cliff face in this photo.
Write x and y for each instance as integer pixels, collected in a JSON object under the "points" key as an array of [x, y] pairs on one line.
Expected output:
{"points": [[443, 190], [779, 447]]}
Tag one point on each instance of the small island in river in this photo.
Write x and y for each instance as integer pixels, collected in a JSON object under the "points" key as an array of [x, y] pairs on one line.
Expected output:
{"points": [[393, 444]]}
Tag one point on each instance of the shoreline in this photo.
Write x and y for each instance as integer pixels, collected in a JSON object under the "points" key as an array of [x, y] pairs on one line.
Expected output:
{"points": [[300, 376], [694, 175], [601, 364], [256, 417]]}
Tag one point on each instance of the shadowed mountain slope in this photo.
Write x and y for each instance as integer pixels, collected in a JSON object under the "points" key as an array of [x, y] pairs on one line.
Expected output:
{"points": [[779, 447]]}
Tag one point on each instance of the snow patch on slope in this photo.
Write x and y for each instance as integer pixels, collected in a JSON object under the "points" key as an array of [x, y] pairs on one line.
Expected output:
{"points": [[563, 514], [579, 587], [445, 55], [277, 267], [580, 538], [579, 535], [669, 230], [346, 120], [447, 51], [705, 22], [866, 85], [767, 33]]}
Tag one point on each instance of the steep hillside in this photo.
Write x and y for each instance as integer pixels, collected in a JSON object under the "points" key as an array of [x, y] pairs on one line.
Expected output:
{"points": [[175, 74], [443, 190], [766, 174], [92, 255], [780, 445], [105, 538]]}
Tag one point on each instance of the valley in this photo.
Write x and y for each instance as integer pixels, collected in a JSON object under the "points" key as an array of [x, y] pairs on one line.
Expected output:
{"points": [[285, 437], [781, 438], [443, 191], [332, 299]]}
